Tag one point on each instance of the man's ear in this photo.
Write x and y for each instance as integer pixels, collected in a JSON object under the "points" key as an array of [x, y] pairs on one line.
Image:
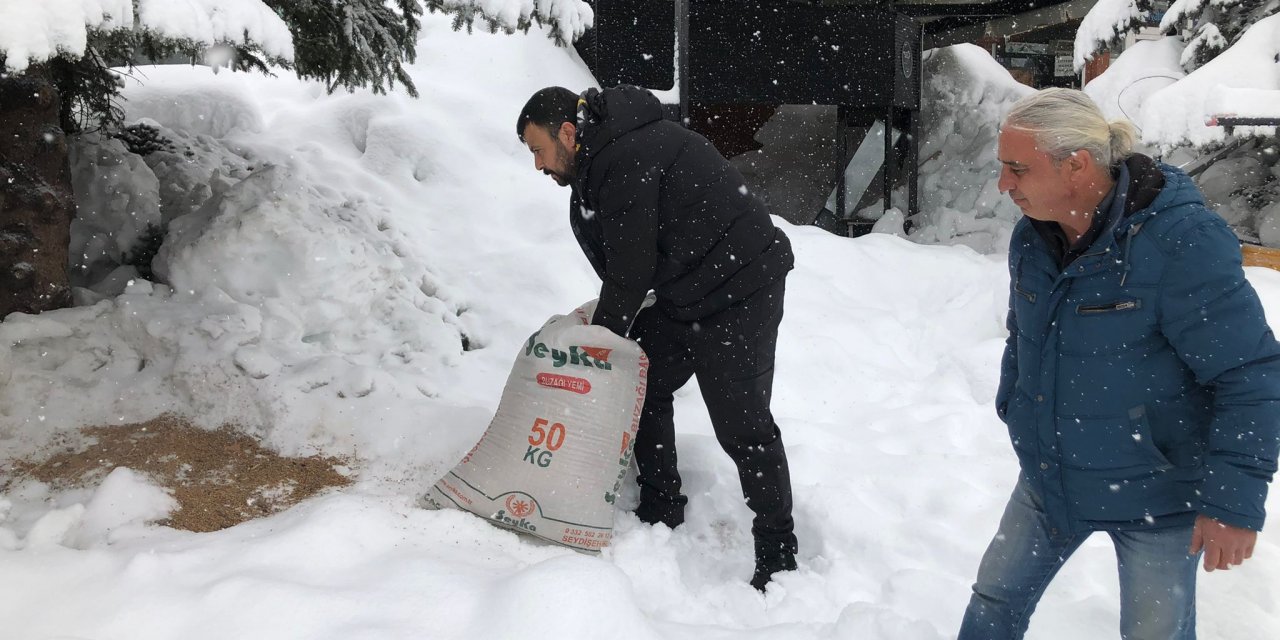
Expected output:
{"points": [[1081, 164], [568, 134]]}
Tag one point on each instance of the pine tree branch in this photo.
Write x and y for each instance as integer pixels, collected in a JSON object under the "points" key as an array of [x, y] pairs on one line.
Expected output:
{"points": [[352, 43], [565, 20]]}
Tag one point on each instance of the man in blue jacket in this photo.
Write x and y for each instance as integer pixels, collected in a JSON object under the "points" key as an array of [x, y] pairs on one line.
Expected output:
{"points": [[1140, 382]]}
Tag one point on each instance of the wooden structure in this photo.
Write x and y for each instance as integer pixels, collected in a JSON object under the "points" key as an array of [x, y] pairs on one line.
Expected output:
{"points": [[740, 59], [1256, 255]]}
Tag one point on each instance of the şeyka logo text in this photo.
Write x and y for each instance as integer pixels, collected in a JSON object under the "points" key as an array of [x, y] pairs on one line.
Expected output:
{"points": [[594, 357], [517, 507], [501, 516]]}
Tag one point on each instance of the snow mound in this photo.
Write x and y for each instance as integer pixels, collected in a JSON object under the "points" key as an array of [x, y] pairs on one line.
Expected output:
{"points": [[1134, 76], [124, 498], [966, 96]]}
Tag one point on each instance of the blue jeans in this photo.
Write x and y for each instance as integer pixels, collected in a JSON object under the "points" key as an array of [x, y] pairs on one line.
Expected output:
{"points": [[1157, 576]]}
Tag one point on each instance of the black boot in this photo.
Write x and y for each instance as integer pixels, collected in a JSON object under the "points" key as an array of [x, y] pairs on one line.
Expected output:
{"points": [[772, 556], [655, 508]]}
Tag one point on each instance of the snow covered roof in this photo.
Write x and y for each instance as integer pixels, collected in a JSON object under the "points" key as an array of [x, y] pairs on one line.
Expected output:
{"points": [[1139, 72], [1245, 103]]}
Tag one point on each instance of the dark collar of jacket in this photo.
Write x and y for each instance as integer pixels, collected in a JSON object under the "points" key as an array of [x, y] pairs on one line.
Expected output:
{"points": [[604, 116], [1138, 182]]}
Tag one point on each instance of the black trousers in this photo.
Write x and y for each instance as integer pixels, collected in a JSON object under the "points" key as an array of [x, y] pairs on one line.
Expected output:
{"points": [[732, 353]]}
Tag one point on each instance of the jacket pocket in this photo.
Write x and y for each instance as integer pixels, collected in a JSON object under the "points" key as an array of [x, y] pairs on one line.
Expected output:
{"points": [[1019, 419], [1026, 295], [1119, 442], [1107, 325], [1144, 439]]}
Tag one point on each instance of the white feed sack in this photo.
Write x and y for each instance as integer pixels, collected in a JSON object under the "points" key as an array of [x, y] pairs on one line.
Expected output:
{"points": [[555, 454]]}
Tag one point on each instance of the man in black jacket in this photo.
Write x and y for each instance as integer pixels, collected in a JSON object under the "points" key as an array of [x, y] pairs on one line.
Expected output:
{"points": [[656, 208]]}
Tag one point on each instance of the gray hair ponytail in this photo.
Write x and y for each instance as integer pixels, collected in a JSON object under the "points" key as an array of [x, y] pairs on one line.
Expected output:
{"points": [[1064, 121]]}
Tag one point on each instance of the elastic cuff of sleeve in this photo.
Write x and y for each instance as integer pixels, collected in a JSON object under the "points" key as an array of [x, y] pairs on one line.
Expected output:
{"points": [[614, 323], [1232, 518]]}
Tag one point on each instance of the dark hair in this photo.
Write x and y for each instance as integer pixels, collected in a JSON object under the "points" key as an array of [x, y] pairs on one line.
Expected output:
{"points": [[548, 108]]}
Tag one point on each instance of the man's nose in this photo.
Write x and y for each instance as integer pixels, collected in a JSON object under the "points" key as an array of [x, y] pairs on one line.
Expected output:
{"points": [[537, 163], [1006, 182]]}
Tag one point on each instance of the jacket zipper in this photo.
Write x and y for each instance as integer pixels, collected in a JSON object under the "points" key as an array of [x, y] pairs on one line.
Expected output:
{"points": [[1122, 305]]}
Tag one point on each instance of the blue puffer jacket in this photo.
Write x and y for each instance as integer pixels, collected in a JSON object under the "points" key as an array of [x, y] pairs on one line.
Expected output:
{"points": [[1143, 379]]}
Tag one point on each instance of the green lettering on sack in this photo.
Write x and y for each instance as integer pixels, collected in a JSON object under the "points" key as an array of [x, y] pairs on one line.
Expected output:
{"points": [[537, 456], [578, 356]]}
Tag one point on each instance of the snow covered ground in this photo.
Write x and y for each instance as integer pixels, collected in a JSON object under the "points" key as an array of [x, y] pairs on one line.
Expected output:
{"points": [[330, 257]]}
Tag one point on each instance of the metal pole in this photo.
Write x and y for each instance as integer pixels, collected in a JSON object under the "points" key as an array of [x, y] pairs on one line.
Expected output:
{"points": [[682, 57], [890, 159], [913, 167], [913, 130], [842, 157]]}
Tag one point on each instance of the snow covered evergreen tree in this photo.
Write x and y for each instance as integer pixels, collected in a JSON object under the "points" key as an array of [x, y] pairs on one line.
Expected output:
{"points": [[1106, 25], [344, 43], [565, 20], [1211, 26], [1208, 26], [57, 78], [352, 43]]}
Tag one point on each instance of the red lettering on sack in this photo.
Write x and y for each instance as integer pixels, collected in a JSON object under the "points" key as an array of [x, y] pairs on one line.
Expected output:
{"points": [[587, 540], [599, 353], [454, 490], [641, 388], [568, 383]]}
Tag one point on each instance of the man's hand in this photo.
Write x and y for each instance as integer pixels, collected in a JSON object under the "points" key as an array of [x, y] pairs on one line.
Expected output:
{"points": [[1223, 544]]}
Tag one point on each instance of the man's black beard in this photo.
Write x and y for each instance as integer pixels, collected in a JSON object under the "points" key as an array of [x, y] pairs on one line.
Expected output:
{"points": [[566, 160], [560, 180]]}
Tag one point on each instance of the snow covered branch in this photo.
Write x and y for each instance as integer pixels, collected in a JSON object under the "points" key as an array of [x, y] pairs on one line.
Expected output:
{"points": [[1104, 24], [34, 32], [565, 19]]}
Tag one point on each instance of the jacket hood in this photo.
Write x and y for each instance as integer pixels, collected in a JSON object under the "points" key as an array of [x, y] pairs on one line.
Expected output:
{"points": [[1150, 188], [1153, 187], [1178, 190], [605, 116]]}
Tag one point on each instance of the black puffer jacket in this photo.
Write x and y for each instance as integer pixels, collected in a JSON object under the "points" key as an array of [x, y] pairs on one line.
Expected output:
{"points": [[656, 207]]}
